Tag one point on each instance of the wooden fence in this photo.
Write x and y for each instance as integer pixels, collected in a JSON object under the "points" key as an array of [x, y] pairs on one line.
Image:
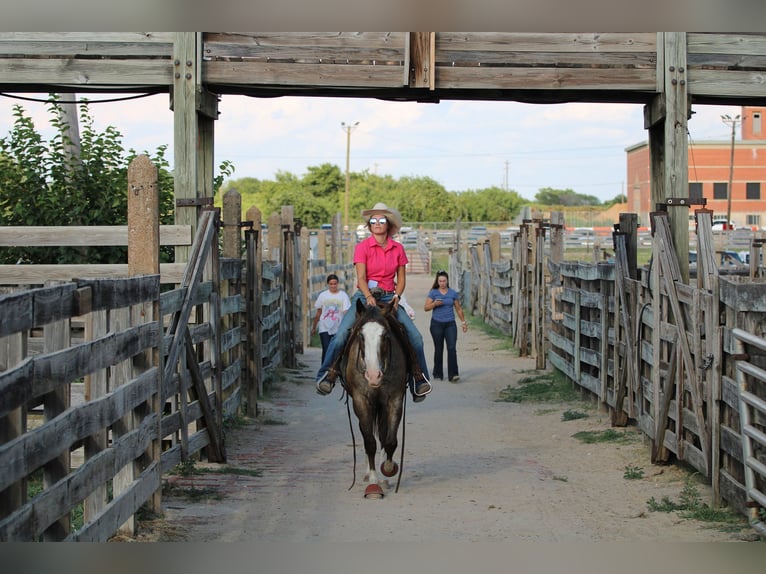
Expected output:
{"points": [[654, 350], [108, 381]]}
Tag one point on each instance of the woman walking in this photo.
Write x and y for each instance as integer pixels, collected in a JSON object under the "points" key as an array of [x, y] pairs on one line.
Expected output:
{"points": [[445, 303]]}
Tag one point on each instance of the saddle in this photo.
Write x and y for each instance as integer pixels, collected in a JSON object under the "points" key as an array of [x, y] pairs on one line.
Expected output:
{"points": [[396, 327]]}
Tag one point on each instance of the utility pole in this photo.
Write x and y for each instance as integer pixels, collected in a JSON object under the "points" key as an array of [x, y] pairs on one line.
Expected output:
{"points": [[733, 122], [348, 129], [507, 163]]}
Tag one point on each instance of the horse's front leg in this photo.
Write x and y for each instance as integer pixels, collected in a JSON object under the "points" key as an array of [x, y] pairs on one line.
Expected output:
{"points": [[390, 441]]}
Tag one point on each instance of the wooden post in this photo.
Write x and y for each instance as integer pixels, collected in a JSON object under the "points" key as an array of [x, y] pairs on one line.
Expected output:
{"points": [[666, 119], [57, 336], [186, 135], [13, 350], [254, 300], [305, 308], [275, 237], [232, 234], [144, 259], [629, 226], [287, 325], [335, 247]]}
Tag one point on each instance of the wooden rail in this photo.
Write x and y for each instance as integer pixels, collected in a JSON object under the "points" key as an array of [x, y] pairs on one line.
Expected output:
{"points": [[653, 350], [107, 383]]}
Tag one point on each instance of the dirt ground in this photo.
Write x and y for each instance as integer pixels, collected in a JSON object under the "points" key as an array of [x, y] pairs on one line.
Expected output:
{"points": [[475, 469]]}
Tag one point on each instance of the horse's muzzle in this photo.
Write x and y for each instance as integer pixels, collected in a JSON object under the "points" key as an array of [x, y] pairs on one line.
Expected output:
{"points": [[374, 377]]}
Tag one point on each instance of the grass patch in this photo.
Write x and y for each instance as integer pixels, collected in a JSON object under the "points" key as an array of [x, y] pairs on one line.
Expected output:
{"points": [[570, 415], [272, 422], [608, 435], [191, 493], [236, 470], [503, 341], [691, 507], [633, 472], [541, 388], [237, 420]]}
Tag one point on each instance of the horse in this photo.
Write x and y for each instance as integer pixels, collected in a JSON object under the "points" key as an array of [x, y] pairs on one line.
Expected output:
{"points": [[374, 370]]}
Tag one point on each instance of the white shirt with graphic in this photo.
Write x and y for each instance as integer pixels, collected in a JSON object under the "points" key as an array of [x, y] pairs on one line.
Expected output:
{"points": [[333, 306]]}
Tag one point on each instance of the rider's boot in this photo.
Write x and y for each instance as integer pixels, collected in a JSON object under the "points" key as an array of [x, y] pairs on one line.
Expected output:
{"points": [[420, 386], [326, 382]]}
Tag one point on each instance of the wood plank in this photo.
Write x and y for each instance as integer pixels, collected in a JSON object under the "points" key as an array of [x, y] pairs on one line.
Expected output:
{"points": [[504, 78], [306, 46], [107, 38], [30, 520], [39, 274], [77, 235], [268, 73], [736, 43], [29, 451], [86, 73], [546, 42], [733, 83], [43, 374], [121, 507]]}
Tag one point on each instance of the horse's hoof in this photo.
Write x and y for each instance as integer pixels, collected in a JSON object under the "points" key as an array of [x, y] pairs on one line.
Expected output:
{"points": [[393, 472], [373, 491]]}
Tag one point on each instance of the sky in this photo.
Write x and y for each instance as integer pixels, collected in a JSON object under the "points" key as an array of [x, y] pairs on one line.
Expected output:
{"points": [[462, 145]]}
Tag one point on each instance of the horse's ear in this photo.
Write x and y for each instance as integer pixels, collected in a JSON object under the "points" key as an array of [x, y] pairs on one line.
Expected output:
{"points": [[360, 307]]}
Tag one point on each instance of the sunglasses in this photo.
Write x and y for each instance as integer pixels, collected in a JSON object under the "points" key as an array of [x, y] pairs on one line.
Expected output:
{"points": [[381, 220]]}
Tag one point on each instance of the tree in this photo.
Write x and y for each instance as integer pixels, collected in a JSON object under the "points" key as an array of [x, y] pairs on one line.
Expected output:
{"points": [[564, 197], [42, 184]]}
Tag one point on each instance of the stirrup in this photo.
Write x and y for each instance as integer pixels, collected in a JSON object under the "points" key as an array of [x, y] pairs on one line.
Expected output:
{"points": [[325, 383], [421, 385]]}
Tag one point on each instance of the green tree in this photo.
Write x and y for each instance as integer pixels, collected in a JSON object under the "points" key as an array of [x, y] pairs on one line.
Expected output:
{"points": [[565, 197], [40, 184]]}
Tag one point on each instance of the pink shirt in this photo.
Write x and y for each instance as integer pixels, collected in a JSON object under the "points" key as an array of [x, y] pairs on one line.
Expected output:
{"points": [[382, 264]]}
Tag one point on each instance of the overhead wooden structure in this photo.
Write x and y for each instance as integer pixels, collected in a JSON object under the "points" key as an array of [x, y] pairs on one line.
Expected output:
{"points": [[665, 71]]}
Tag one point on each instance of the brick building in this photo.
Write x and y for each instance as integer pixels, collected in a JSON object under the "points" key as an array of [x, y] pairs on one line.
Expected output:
{"points": [[709, 165]]}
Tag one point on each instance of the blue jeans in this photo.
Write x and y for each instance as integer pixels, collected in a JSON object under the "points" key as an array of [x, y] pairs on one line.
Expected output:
{"points": [[326, 339], [444, 333], [340, 338]]}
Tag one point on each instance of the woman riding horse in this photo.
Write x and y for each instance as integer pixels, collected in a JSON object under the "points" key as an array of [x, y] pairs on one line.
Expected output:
{"points": [[380, 264]]}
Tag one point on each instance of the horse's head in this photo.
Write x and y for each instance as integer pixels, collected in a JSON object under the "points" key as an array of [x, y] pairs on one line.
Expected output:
{"points": [[373, 355]]}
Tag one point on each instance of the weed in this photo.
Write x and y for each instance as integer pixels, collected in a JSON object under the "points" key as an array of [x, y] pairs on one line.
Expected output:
{"points": [[504, 342], [236, 420], [608, 435], [235, 470], [185, 468], [191, 493], [560, 478], [272, 422], [570, 415], [633, 472], [665, 505], [691, 507], [540, 388]]}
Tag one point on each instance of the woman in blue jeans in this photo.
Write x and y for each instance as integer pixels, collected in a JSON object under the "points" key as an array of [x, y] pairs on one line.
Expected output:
{"points": [[445, 303], [380, 264]]}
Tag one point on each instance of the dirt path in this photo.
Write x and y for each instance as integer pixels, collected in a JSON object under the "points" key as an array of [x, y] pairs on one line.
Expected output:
{"points": [[475, 469]]}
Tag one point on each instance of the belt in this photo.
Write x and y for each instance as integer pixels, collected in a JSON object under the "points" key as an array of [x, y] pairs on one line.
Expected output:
{"points": [[378, 292]]}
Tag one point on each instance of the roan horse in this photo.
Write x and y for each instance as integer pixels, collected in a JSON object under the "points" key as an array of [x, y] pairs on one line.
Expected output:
{"points": [[374, 369]]}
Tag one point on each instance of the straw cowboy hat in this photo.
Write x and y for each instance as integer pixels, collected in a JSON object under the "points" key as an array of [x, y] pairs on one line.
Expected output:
{"points": [[394, 218]]}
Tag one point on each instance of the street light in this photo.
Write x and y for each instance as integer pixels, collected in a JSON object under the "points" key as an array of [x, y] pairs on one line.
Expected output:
{"points": [[348, 129], [730, 121]]}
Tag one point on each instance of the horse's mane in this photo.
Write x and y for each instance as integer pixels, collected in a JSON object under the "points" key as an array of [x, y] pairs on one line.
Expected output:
{"points": [[383, 314]]}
